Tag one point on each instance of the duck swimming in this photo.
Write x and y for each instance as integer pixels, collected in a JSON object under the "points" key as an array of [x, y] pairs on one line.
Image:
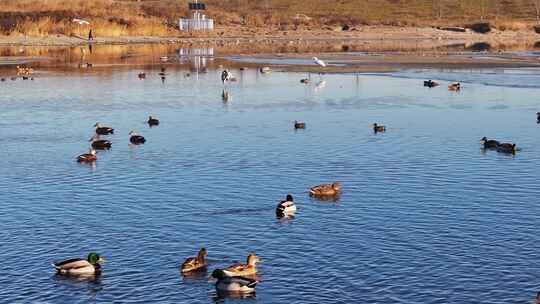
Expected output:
{"points": [[87, 157], [507, 148], [378, 128], [538, 117], [233, 284], [265, 70], [430, 83], [454, 86], [250, 268], [326, 190], [136, 139], [299, 125], [226, 76], [142, 75], [100, 144], [152, 121], [286, 207], [489, 143], [101, 130], [90, 266], [195, 264]]}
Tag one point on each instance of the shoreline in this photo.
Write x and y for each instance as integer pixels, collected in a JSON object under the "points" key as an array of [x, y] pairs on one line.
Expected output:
{"points": [[371, 49], [365, 35]]}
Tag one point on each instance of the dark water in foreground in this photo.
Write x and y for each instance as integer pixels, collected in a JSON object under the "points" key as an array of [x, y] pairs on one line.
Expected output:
{"points": [[425, 216]]}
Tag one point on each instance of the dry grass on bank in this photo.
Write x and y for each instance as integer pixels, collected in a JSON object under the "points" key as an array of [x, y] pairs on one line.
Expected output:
{"points": [[158, 17]]}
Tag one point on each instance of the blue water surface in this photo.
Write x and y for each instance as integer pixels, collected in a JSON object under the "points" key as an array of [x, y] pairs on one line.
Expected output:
{"points": [[426, 216]]}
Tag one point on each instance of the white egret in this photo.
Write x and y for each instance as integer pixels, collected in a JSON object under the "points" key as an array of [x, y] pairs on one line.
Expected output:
{"points": [[319, 62]]}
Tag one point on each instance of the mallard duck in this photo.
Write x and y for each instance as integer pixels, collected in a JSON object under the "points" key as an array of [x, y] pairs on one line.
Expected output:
{"points": [[2, 79], [100, 144], [90, 266], [195, 264], [454, 86], [233, 284], [265, 70], [101, 130], [136, 139], [305, 81], [507, 148], [378, 128], [430, 83], [226, 76], [87, 157], [299, 125], [152, 121], [489, 143], [142, 75], [286, 207], [250, 268], [326, 190]]}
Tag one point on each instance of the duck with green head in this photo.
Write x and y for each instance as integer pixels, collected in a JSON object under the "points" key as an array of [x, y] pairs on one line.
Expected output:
{"points": [[233, 284], [90, 266]]}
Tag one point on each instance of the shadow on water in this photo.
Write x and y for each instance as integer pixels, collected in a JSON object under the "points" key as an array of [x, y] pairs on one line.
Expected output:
{"points": [[326, 198], [196, 276], [93, 282]]}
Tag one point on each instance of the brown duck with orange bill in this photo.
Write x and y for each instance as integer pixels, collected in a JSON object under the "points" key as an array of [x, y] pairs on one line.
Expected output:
{"points": [[248, 269], [326, 190]]}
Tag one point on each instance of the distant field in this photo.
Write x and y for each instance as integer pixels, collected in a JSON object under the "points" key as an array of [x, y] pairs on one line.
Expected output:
{"points": [[157, 18]]}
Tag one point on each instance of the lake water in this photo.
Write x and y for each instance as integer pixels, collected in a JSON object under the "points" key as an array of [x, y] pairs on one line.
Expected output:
{"points": [[425, 215]]}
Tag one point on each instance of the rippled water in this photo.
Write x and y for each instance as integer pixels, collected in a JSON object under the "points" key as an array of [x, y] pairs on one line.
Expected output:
{"points": [[425, 217]]}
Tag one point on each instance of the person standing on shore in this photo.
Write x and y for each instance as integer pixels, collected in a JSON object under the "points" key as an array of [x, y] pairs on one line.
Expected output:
{"points": [[90, 36]]}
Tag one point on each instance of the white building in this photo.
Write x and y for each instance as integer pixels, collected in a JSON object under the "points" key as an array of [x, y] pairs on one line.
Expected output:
{"points": [[199, 21]]}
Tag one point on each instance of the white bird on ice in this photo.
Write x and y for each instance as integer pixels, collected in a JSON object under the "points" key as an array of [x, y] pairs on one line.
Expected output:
{"points": [[319, 62]]}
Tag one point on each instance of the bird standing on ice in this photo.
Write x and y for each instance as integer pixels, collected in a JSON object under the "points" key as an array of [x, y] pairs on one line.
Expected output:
{"points": [[319, 62]]}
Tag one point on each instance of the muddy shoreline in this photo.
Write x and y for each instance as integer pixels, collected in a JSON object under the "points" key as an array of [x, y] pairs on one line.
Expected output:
{"points": [[377, 49], [377, 35]]}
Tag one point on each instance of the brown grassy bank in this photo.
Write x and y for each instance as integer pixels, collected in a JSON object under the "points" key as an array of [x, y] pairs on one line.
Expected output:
{"points": [[114, 18]]}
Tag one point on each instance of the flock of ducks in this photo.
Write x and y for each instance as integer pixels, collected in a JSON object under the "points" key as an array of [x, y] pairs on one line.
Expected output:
{"points": [[237, 278], [489, 144], [96, 143], [456, 86]]}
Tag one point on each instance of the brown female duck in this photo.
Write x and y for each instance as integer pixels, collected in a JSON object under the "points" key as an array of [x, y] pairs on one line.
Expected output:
{"points": [[248, 269], [195, 263], [100, 144], [87, 157], [101, 130], [326, 190]]}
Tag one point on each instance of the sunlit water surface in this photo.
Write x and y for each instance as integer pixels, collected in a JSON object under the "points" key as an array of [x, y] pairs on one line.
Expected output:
{"points": [[425, 215]]}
